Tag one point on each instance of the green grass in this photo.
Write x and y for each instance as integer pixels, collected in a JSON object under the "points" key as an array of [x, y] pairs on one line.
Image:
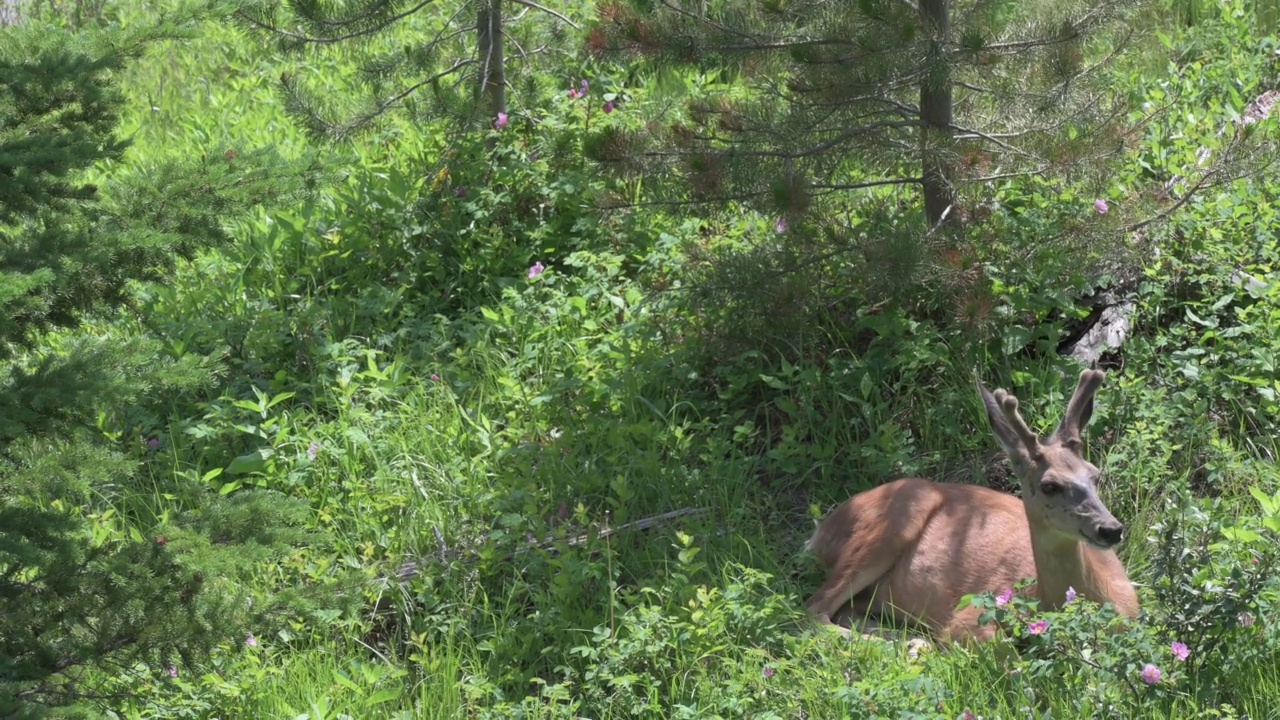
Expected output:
{"points": [[551, 413]]}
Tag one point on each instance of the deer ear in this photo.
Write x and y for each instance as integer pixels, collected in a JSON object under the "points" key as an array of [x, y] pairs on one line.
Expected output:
{"points": [[1011, 439]]}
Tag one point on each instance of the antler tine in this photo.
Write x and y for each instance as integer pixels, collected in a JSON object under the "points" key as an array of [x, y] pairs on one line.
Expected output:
{"points": [[1080, 407], [1009, 405]]}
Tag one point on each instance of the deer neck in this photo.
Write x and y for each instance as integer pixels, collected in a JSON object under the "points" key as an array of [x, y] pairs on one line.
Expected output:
{"points": [[1060, 564]]}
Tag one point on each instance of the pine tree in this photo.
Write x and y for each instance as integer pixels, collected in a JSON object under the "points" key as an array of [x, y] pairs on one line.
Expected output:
{"points": [[88, 601], [930, 94], [472, 52]]}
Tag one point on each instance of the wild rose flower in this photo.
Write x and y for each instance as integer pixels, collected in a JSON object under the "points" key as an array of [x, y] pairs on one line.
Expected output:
{"points": [[1071, 594], [1003, 598], [780, 227], [251, 641], [1246, 619], [769, 671], [313, 450], [608, 108], [153, 443], [1100, 206], [1179, 650], [536, 269], [173, 671], [1151, 674], [502, 120], [1037, 627]]}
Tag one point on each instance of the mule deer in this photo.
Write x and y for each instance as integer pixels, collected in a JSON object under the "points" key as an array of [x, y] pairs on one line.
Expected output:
{"points": [[916, 547]]}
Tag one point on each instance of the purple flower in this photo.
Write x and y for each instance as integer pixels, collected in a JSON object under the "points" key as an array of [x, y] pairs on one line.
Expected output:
{"points": [[461, 192], [1151, 674], [1003, 598], [536, 269], [502, 121], [1180, 651], [1246, 619], [968, 715], [153, 443], [769, 671], [1037, 627], [313, 449], [608, 108], [173, 671], [1071, 594], [1100, 206], [585, 86], [251, 641], [780, 227], [435, 377], [574, 94]]}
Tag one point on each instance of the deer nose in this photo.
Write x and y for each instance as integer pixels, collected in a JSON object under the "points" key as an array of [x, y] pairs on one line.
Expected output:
{"points": [[1111, 534]]}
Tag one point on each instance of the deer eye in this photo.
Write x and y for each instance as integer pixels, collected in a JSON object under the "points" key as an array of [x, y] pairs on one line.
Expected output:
{"points": [[1050, 488]]}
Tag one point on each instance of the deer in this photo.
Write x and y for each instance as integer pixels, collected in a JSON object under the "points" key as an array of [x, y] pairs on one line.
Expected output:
{"points": [[914, 547]]}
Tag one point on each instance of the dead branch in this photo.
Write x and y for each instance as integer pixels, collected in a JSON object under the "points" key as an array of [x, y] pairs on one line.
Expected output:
{"points": [[411, 568]]}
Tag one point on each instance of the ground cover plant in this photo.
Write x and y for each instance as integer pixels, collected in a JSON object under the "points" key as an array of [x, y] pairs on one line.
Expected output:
{"points": [[469, 420]]}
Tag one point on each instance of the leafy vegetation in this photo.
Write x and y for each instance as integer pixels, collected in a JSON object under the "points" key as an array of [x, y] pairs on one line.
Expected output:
{"points": [[381, 428]]}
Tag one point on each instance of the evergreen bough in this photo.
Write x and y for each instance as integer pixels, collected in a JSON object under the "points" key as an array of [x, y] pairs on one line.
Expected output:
{"points": [[103, 582]]}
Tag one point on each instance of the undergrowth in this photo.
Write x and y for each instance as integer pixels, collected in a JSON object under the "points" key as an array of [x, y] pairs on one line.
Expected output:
{"points": [[455, 360]]}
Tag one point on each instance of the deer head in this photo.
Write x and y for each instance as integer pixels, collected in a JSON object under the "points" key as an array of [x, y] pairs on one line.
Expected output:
{"points": [[1059, 486]]}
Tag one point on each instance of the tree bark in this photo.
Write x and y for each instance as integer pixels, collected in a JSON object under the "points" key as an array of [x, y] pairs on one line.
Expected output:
{"points": [[935, 112], [489, 34]]}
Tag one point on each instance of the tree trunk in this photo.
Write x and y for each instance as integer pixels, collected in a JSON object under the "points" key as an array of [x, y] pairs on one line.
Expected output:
{"points": [[935, 112], [489, 35]]}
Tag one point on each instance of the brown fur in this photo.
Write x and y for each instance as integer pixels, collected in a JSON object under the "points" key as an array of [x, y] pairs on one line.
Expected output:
{"points": [[912, 548]]}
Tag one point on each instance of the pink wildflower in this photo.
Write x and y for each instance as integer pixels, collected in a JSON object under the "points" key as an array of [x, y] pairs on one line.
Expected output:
{"points": [[1003, 598], [1037, 627], [780, 227], [173, 671], [1151, 674], [1180, 651], [536, 269], [502, 120], [769, 671], [1100, 206], [608, 108], [1071, 594], [251, 641]]}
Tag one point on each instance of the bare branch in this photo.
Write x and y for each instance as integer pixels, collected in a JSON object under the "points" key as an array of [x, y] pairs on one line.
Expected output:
{"points": [[409, 569], [243, 15], [868, 184], [549, 11]]}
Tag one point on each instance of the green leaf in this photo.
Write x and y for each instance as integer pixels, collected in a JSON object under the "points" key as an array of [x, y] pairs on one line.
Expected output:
{"points": [[384, 695], [1270, 505], [252, 462]]}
